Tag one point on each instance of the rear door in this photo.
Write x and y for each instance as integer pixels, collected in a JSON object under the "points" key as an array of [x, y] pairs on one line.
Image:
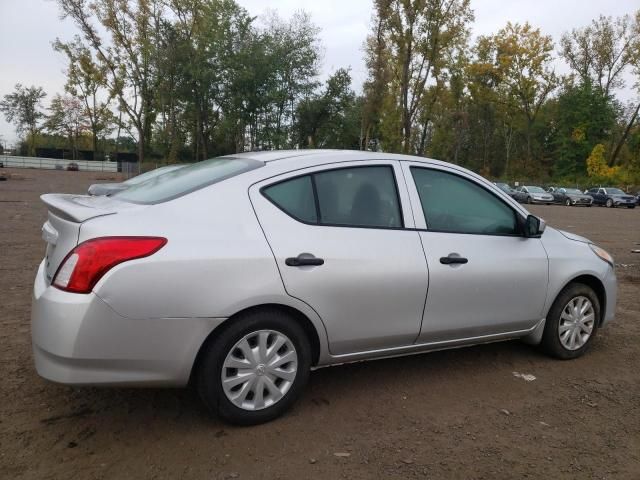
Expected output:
{"points": [[339, 239], [484, 278]]}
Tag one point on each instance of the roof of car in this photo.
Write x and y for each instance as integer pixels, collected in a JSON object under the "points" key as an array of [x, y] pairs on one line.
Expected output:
{"points": [[321, 154]]}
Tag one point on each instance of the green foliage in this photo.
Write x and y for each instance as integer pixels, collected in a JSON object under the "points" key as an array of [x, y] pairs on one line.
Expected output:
{"points": [[584, 117], [23, 108]]}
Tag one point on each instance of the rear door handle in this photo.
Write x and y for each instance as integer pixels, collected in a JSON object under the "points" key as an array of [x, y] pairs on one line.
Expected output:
{"points": [[453, 259], [304, 259]]}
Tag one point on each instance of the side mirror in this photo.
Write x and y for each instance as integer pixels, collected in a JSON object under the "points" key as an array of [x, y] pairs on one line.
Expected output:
{"points": [[534, 227]]}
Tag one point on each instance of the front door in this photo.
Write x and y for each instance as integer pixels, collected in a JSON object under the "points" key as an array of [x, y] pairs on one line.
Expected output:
{"points": [[484, 277], [339, 239]]}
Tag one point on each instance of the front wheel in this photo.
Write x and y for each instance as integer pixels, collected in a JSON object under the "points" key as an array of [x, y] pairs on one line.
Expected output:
{"points": [[631, 206], [572, 322], [567, 202], [529, 201], [609, 203], [255, 369]]}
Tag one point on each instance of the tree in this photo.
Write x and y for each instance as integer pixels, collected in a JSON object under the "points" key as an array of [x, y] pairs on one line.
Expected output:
{"points": [[600, 54], [85, 81], [419, 38], [69, 119], [583, 118], [524, 61], [329, 119], [23, 108], [601, 51], [128, 56]]}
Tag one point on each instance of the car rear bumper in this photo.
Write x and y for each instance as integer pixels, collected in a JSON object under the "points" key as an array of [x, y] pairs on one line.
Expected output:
{"points": [[80, 340]]}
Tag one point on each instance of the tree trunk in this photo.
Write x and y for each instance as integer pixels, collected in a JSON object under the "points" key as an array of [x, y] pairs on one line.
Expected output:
{"points": [[616, 152]]}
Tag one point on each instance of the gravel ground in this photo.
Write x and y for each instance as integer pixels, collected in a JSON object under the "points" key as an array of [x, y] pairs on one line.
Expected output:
{"points": [[454, 414]]}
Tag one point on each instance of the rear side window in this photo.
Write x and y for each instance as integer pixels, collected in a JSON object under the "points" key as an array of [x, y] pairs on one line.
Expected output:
{"points": [[357, 197], [187, 179], [457, 205], [295, 197]]}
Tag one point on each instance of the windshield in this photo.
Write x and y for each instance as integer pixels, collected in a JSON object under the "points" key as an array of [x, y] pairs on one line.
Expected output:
{"points": [[150, 174], [573, 190], [614, 191], [535, 190], [187, 179], [503, 186]]}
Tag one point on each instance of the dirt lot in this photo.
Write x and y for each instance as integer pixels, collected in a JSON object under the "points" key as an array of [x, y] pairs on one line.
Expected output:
{"points": [[455, 414]]}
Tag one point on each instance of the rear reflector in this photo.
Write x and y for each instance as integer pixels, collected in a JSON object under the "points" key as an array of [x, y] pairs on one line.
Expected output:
{"points": [[86, 264]]}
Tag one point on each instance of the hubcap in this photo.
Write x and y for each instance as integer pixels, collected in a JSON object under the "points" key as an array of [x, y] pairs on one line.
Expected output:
{"points": [[259, 370], [576, 323]]}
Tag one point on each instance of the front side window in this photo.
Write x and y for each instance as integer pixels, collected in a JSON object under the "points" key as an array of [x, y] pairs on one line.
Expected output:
{"points": [[357, 197], [454, 204]]}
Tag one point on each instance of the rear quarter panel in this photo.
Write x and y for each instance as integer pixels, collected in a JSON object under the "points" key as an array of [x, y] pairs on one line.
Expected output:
{"points": [[216, 261]]}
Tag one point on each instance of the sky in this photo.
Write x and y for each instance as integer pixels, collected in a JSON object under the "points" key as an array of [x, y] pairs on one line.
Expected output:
{"points": [[27, 28]]}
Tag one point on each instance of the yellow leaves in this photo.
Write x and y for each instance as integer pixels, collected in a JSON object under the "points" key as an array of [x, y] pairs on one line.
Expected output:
{"points": [[578, 135], [597, 165]]}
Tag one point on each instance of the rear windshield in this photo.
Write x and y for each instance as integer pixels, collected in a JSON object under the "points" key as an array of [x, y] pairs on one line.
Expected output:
{"points": [[143, 177], [185, 180]]}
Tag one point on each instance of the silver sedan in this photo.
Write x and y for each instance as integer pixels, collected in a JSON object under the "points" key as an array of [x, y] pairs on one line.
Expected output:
{"points": [[243, 273]]}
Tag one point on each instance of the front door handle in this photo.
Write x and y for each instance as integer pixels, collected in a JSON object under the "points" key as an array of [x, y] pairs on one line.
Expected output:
{"points": [[453, 259], [304, 259]]}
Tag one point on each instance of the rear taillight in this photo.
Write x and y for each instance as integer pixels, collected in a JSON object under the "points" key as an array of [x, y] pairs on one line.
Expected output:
{"points": [[89, 261]]}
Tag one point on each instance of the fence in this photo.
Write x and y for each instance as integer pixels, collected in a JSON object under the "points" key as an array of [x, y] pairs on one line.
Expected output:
{"points": [[56, 164]]}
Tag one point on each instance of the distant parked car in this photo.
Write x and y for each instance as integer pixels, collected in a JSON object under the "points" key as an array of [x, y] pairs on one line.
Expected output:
{"points": [[73, 167], [505, 188], [570, 196], [637, 198], [111, 188], [611, 197], [59, 166], [533, 194]]}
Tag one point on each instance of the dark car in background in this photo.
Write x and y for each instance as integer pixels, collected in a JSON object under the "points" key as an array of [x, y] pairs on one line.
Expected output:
{"points": [[570, 196], [73, 167], [611, 197], [533, 194], [505, 188]]}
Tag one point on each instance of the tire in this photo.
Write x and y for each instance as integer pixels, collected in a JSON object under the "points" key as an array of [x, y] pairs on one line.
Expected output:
{"points": [[251, 327], [567, 202], [529, 200], [555, 324], [631, 206], [609, 203]]}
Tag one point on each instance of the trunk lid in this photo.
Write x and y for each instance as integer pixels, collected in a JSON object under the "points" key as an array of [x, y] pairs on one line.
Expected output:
{"points": [[66, 215]]}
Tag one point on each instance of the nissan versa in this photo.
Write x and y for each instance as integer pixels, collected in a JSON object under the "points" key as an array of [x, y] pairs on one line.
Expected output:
{"points": [[241, 273]]}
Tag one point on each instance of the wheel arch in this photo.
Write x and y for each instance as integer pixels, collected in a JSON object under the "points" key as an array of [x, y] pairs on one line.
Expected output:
{"points": [[595, 284], [309, 328]]}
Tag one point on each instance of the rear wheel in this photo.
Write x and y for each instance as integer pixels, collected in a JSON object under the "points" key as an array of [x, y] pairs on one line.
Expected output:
{"points": [[567, 202], [572, 322], [255, 369], [609, 203]]}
